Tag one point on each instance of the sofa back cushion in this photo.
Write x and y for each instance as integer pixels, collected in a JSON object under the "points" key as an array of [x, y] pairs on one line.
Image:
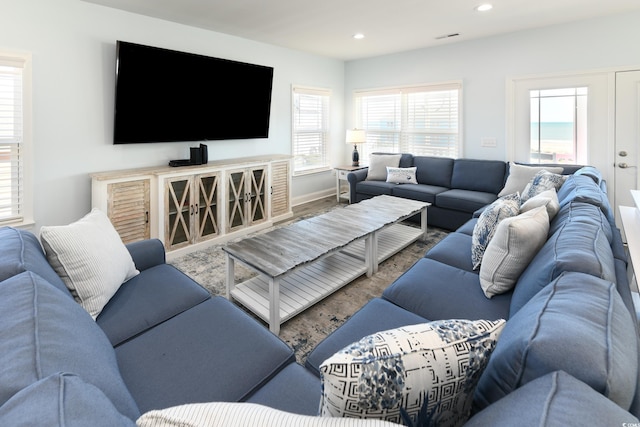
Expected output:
{"points": [[434, 170], [20, 251], [478, 175], [45, 332], [582, 188], [61, 399], [556, 399], [578, 324], [575, 246]]}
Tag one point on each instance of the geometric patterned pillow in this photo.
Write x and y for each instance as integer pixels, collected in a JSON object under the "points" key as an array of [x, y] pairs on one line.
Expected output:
{"points": [[394, 374], [542, 181], [505, 207]]}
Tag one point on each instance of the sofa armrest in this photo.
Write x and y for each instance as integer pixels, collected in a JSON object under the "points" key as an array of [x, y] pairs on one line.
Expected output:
{"points": [[147, 253], [353, 178]]}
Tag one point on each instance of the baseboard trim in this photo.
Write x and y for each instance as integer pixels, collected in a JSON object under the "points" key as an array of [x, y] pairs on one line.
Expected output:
{"points": [[312, 197]]}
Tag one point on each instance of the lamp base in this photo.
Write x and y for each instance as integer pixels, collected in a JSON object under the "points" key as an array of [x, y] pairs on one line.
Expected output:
{"points": [[355, 157]]}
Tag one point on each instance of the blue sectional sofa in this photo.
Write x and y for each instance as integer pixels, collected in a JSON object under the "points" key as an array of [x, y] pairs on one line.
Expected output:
{"points": [[570, 318], [456, 188], [568, 351]]}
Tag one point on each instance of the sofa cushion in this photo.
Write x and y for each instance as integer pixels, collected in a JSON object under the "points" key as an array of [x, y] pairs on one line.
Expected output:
{"points": [[294, 389], [438, 291], [433, 365], [233, 414], [467, 201], [574, 247], [378, 164], [581, 188], [90, 258], [61, 400], [591, 172], [434, 171], [542, 181], [375, 188], [453, 250], [376, 315], [420, 192], [516, 241], [45, 332], [155, 295], [20, 251], [478, 175], [548, 199], [553, 400], [520, 175], [580, 212], [505, 207], [577, 324], [227, 353], [401, 175]]}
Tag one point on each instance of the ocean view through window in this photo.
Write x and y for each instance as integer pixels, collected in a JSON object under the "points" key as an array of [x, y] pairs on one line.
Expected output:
{"points": [[559, 125]]}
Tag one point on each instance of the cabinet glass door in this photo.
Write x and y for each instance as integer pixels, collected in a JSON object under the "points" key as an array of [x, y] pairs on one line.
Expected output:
{"points": [[257, 194], [207, 208], [236, 216], [179, 212]]}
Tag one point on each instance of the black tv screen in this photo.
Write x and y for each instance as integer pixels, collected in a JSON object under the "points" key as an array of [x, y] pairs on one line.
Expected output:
{"points": [[164, 95]]}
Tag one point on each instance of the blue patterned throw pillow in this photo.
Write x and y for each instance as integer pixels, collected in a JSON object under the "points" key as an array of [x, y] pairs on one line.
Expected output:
{"points": [[505, 207], [542, 181], [436, 364]]}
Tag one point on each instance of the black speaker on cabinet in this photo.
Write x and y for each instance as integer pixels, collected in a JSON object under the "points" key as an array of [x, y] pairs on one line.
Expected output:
{"points": [[204, 154], [196, 156]]}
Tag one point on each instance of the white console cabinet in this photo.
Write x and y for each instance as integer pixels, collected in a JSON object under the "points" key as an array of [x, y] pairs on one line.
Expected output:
{"points": [[192, 206]]}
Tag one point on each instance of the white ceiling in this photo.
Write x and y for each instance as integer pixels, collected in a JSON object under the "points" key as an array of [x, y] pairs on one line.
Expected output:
{"points": [[326, 27]]}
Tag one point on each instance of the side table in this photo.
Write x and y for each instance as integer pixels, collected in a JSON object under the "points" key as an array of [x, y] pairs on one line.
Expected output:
{"points": [[341, 175]]}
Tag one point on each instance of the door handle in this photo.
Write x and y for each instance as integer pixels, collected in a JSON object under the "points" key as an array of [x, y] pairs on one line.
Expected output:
{"points": [[624, 166]]}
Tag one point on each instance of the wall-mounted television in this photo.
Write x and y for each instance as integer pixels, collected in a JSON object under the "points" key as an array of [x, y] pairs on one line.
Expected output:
{"points": [[163, 95]]}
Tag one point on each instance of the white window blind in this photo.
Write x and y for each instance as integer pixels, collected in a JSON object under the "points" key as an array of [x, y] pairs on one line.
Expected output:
{"points": [[310, 129], [11, 137], [422, 120]]}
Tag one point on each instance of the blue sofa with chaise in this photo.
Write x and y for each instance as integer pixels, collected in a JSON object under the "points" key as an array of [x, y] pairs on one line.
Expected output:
{"points": [[568, 350]]}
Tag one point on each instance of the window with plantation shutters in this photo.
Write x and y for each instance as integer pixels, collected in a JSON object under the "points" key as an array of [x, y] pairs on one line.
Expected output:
{"points": [[310, 130], [422, 120], [11, 138]]}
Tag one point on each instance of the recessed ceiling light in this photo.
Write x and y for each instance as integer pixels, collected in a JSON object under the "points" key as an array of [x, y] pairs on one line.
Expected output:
{"points": [[358, 36], [484, 7]]}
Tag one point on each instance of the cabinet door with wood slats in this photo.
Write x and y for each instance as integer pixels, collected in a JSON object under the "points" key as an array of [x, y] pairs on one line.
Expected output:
{"points": [[280, 188], [128, 209]]}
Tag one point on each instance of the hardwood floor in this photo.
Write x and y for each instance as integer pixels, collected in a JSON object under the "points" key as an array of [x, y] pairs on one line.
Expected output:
{"points": [[314, 206]]}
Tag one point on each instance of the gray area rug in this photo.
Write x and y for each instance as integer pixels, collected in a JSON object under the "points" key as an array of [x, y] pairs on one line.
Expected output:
{"points": [[307, 329]]}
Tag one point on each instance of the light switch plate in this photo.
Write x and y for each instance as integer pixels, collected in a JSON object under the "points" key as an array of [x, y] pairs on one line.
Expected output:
{"points": [[488, 142]]}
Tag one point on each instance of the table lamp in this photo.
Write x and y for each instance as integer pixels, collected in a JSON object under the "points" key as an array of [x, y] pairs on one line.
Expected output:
{"points": [[355, 137]]}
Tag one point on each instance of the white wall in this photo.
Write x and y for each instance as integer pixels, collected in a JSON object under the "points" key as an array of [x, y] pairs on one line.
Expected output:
{"points": [[73, 49], [484, 65]]}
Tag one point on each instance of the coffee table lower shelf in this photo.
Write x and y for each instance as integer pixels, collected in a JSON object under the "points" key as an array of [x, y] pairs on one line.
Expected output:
{"points": [[309, 284]]}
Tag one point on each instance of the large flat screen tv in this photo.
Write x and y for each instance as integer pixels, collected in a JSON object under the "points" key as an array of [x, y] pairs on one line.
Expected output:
{"points": [[164, 95]]}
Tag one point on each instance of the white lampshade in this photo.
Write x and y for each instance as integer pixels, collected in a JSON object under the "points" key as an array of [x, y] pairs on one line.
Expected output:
{"points": [[355, 136]]}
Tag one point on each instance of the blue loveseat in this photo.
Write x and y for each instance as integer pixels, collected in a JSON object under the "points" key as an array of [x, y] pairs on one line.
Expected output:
{"points": [[569, 350]]}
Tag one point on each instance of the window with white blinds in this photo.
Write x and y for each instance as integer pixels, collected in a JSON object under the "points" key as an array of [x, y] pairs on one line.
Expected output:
{"points": [[11, 138], [421, 120], [310, 130]]}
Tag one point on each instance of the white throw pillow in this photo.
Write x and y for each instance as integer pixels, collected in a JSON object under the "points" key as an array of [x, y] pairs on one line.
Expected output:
{"points": [[520, 175], [233, 414], [516, 241], [378, 165], [402, 175], [90, 258], [548, 199], [505, 207], [433, 365]]}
